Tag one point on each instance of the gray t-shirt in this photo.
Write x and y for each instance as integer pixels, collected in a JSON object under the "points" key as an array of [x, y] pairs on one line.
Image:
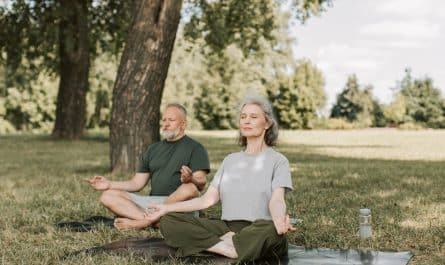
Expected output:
{"points": [[245, 183]]}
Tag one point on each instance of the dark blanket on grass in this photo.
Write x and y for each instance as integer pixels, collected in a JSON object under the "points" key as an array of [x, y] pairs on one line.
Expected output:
{"points": [[86, 225], [156, 249]]}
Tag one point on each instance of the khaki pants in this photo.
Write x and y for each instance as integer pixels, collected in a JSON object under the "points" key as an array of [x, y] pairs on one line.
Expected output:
{"points": [[253, 240]]}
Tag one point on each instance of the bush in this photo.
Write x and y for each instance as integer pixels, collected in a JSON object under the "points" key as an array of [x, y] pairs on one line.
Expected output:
{"points": [[6, 126], [332, 124], [411, 126]]}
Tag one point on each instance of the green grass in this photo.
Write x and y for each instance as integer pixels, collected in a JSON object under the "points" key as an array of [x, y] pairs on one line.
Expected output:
{"points": [[398, 174]]}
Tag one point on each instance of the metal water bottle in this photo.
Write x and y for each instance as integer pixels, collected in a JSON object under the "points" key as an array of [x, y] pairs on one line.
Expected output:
{"points": [[365, 224]]}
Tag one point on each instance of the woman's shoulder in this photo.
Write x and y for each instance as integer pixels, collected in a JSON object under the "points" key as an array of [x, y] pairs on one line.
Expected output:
{"points": [[234, 155], [277, 155]]}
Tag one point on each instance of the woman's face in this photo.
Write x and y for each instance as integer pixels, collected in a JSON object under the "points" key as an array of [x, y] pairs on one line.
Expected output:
{"points": [[252, 121]]}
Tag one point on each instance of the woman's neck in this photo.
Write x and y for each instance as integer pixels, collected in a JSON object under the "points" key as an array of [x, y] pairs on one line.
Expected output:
{"points": [[255, 145]]}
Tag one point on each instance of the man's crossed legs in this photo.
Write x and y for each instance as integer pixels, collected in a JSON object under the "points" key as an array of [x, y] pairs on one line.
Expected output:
{"points": [[130, 208]]}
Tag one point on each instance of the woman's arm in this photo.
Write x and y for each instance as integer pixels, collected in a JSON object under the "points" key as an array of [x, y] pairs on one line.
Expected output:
{"points": [[210, 198], [277, 208]]}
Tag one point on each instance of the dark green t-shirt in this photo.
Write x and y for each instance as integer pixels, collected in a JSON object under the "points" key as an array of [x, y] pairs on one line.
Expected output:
{"points": [[164, 159]]}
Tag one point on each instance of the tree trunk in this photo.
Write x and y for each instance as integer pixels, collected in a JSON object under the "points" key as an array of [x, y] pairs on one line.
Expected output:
{"points": [[74, 69], [140, 81]]}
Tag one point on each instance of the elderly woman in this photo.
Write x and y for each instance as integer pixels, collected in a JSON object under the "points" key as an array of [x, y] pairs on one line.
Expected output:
{"points": [[251, 185]]}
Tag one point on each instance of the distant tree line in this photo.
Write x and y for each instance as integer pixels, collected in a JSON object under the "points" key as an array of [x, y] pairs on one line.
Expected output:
{"points": [[211, 88], [208, 73], [416, 104]]}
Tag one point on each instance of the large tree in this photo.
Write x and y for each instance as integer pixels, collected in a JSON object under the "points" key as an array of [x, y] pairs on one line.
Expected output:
{"points": [[424, 102], [299, 96], [62, 37], [357, 104], [144, 64], [140, 80]]}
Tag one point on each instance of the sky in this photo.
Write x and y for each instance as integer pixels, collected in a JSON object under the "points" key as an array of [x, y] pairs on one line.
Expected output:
{"points": [[376, 40]]}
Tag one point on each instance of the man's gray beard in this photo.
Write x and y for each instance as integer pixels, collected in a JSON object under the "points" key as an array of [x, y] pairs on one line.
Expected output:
{"points": [[170, 135]]}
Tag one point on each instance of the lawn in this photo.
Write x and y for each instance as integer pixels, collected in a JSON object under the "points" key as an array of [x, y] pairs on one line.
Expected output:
{"points": [[399, 175]]}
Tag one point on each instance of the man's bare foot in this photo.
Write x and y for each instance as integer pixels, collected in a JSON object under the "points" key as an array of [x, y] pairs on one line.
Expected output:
{"points": [[129, 224], [227, 236]]}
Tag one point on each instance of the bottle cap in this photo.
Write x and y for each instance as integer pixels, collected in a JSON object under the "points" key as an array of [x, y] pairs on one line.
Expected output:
{"points": [[365, 211]]}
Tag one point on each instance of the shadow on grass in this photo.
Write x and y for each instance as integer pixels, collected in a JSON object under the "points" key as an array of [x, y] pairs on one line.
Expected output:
{"points": [[406, 197], [92, 169]]}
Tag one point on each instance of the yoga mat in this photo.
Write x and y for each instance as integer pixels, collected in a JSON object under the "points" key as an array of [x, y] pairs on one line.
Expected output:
{"points": [[156, 249], [86, 225]]}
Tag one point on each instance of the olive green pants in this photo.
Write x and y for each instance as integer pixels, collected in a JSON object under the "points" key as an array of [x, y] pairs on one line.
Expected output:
{"points": [[252, 241]]}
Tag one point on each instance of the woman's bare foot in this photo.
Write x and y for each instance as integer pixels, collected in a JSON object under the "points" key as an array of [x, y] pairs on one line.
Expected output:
{"points": [[227, 236], [224, 248], [129, 224]]}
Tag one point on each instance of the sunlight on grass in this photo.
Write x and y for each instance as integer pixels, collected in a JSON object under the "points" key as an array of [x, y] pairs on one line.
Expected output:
{"points": [[398, 174], [373, 143], [432, 215]]}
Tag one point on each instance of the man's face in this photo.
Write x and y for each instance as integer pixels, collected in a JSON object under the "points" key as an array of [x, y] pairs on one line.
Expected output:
{"points": [[173, 123]]}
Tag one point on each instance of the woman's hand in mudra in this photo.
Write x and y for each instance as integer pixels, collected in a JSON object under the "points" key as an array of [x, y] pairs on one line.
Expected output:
{"points": [[154, 212], [283, 225]]}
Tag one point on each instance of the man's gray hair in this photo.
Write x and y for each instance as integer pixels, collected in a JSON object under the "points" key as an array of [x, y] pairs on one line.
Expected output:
{"points": [[271, 135], [179, 107]]}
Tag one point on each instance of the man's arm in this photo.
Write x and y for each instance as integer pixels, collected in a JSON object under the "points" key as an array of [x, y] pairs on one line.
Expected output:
{"points": [[135, 184], [198, 177]]}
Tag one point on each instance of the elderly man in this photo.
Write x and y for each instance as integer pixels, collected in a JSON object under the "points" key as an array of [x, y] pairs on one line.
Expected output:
{"points": [[177, 167]]}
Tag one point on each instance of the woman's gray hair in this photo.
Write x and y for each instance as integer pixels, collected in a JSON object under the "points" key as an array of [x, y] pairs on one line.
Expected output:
{"points": [[271, 135]]}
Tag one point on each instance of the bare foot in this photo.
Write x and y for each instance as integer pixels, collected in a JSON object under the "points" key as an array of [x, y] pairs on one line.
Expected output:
{"points": [[227, 236], [225, 249], [129, 224]]}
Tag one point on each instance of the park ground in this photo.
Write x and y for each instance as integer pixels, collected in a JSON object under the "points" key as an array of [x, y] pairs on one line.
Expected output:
{"points": [[399, 175]]}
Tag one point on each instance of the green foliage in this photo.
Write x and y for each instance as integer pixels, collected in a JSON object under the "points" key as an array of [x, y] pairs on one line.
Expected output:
{"points": [[5, 126], [211, 85], [215, 111], [30, 39], [378, 114], [102, 77], [306, 8], [230, 77], [30, 30], [298, 97], [357, 105], [411, 126], [348, 103], [33, 108], [241, 22], [424, 102], [417, 104], [232, 21], [332, 124], [395, 112], [30, 106], [186, 73]]}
